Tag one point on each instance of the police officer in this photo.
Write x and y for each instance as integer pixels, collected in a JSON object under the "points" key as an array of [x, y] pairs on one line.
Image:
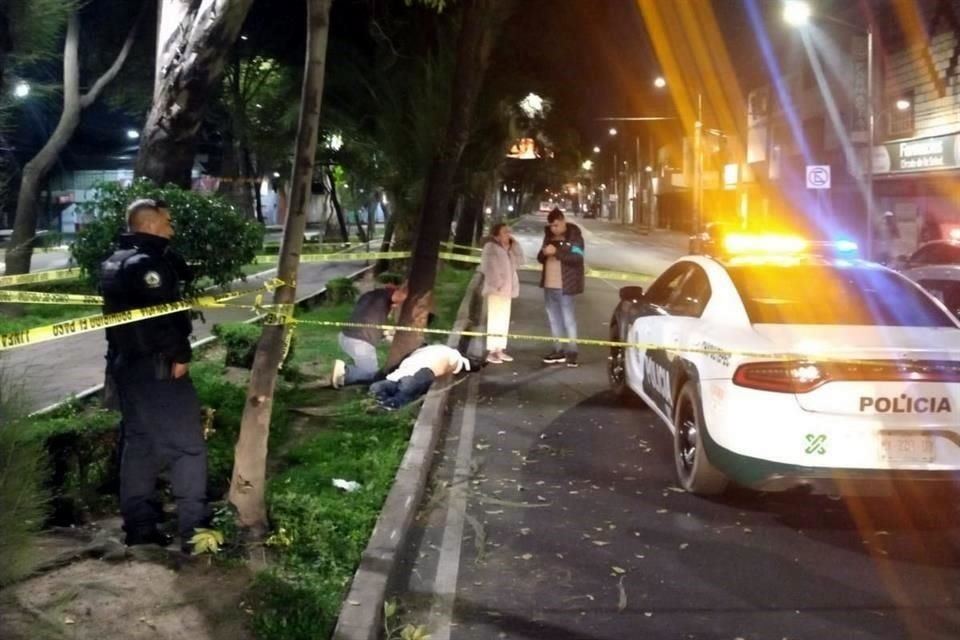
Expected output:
{"points": [[148, 364]]}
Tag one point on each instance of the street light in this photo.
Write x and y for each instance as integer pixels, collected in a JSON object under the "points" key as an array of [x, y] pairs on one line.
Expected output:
{"points": [[596, 149], [587, 165], [660, 83], [133, 134], [613, 131], [22, 90], [797, 13]]}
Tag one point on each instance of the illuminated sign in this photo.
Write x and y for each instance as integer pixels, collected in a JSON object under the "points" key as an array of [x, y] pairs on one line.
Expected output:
{"points": [[524, 149], [925, 154]]}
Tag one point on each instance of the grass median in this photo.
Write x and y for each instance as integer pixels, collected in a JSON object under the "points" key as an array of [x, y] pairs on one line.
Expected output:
{"points": [[317, 435], [321, 531]]}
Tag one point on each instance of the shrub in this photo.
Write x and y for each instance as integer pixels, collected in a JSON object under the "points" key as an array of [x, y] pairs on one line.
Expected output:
{"points": [[211, 234], [390, 277], [341, 291], [241, 340], [23, 500], [227, 400]]}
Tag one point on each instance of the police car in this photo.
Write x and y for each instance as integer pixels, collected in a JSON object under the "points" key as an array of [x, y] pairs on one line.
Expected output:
{"points": [[777, 362]]}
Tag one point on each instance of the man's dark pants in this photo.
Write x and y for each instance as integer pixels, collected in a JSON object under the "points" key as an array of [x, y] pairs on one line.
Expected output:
{"points": [[396, 394], [161, 430]]}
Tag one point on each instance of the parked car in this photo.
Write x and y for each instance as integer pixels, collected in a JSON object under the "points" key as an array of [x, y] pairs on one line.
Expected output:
{"points": [[935, 266]]}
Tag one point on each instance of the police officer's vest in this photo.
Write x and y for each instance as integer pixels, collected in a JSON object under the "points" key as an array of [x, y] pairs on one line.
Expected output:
{"points": [[129, 339]]}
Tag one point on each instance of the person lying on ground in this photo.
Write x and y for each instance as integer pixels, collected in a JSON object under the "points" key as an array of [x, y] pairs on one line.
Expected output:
{"points": [[413, 377]]}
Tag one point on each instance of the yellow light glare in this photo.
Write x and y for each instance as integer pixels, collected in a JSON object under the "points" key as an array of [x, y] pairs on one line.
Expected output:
{"points": [[763, 244]]}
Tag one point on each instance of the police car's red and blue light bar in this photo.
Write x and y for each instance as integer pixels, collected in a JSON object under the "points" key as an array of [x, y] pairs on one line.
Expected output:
{"points": [[771, 244]]}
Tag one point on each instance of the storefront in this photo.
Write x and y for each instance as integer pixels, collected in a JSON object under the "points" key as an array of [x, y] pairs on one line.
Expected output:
{"points": [[917, 190]]}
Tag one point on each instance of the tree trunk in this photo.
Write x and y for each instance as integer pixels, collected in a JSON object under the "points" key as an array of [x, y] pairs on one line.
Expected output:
{"points": [[467, 222], [195, 54], [339, 209], [239, 189], [475, 44], [36, 170], [383, 264], [248, 484], [372, 214], [255, 181], [478, 238]]}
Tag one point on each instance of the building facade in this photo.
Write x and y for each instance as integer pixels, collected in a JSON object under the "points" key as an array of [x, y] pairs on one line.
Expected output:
{"points": [[817, 115]]}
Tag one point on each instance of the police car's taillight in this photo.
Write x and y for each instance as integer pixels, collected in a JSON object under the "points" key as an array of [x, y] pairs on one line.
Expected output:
{"points": [[781, 377]]}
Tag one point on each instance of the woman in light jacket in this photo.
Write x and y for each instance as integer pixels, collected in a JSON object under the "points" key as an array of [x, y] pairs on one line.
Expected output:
{"points": [[502, 256]]}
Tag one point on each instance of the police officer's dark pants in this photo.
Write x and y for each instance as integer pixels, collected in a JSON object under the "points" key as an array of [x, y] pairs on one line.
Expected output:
{"points": [[161, 429], [396, 394]]}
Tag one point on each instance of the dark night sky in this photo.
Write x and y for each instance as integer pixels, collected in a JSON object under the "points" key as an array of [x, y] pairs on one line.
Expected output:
{"points": [[592, 57]]}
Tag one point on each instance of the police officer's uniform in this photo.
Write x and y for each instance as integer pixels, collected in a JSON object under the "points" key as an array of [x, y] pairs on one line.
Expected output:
{"points": [[161, 415]]}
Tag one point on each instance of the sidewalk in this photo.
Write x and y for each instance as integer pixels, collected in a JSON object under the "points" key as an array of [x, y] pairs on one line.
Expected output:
{"points": [[53, 371], [513, 541]]}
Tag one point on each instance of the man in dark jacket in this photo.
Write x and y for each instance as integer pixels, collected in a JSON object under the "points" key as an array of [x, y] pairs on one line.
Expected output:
{"points": [[360, 343], [147, 361], [561, 279]]}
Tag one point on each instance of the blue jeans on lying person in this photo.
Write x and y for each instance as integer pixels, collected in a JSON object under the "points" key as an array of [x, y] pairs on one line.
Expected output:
{"points": [[393, 395]]}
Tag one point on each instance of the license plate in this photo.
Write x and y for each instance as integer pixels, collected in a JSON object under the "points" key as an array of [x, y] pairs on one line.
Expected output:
{"points": [[907, 449]]}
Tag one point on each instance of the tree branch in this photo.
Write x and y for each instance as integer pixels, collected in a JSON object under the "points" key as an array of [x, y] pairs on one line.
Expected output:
{"points": [[94, 92]]}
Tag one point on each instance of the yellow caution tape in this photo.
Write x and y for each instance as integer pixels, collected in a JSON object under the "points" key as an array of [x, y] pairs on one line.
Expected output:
{"points": [[591, 342], [46, 297], [461, 246], [43, 297], [39, 276], [340, 257], [76, 326]]}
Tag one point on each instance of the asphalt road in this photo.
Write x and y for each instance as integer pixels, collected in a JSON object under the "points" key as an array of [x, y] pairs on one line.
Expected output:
{"points": [[43, 260], [555, 514]]}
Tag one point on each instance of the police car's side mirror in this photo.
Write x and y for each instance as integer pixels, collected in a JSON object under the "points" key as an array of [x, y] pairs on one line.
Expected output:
{"points": [[631, 294]]}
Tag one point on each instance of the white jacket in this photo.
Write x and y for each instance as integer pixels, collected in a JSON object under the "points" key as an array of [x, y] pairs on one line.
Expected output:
{"points": [[440, 358], [499, 268]]}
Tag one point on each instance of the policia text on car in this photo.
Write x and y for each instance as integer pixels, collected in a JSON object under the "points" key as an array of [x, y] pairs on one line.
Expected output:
{"points": [[147, 366]]}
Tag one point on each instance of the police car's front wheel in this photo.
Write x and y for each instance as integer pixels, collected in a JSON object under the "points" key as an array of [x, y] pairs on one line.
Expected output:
{"points": [[694, 470], [617, 372]]}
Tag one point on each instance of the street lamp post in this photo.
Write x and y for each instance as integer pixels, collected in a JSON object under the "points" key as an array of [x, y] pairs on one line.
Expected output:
{"points": [[697, 187], [616, 170], [797, 13]]}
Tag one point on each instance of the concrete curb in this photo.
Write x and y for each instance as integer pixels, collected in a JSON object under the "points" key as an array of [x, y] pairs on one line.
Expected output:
{"points": [[304, 300], [361, 617]]}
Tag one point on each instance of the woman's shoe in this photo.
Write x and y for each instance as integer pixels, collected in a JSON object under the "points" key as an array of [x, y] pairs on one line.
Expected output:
{"points": [[493, 358], [506, 357]]}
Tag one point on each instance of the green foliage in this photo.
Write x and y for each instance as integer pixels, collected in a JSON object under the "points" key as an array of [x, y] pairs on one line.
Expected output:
{"points": [[390, 277], [341, 291], [23, 500], [211, 234], [36, 28], [322, 531], [227, 400], [327, 529], [207, 541], [240, 341]]}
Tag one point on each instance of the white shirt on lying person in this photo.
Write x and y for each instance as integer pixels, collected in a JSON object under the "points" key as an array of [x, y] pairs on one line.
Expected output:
{"points": [[439, 358]]}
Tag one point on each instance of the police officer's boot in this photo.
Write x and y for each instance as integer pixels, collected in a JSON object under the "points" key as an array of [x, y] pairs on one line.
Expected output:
{"points": [[148, 536]]}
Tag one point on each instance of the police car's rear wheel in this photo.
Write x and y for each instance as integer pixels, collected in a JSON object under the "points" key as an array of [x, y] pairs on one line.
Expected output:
{"points": [[694, 470]]}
